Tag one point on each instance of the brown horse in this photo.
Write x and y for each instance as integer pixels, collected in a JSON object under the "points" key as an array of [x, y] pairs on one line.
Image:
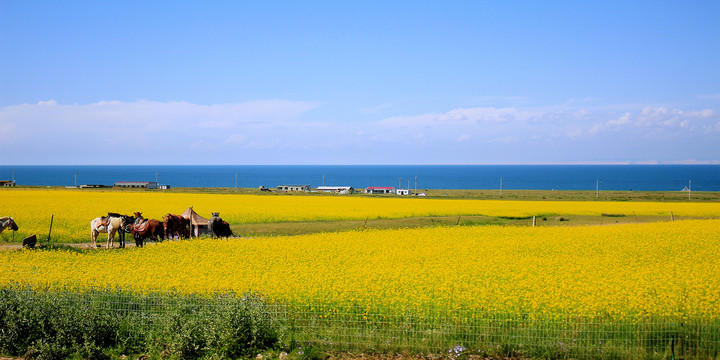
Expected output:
{"points": [[218, 227], [143, 229], [176, 224]]}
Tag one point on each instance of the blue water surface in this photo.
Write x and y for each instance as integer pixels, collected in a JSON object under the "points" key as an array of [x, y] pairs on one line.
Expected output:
{"points": [[528, 177]]}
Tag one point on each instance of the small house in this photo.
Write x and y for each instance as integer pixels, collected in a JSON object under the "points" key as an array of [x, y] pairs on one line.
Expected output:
{"points": [[7, 183], [293, 188], [336, 189], [379, 190]]}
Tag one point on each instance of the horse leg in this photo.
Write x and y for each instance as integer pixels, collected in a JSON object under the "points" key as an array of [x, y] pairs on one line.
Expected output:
{"points": [[111, 235], [159, 233], [121, 238], [93, 235]]}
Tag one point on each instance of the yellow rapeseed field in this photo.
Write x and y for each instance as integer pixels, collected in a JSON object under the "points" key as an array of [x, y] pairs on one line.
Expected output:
{"points": [[74, 209], [618, 271]]}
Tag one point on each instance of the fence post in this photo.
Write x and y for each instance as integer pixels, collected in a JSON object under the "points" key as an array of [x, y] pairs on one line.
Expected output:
{"points": [[51, 223], [672, 217], [533, 220]]}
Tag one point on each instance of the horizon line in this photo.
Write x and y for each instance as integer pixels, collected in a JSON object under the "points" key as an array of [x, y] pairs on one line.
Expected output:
{"points": [[589, 163]]}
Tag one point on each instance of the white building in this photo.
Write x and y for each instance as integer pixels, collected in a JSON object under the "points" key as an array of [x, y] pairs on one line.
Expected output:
{"points": [[379, 190], [336, 189], [402, 191], [293, 188]]}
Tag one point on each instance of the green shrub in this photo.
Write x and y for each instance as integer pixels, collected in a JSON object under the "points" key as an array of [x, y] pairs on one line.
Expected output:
{"points": [[101, 324]]}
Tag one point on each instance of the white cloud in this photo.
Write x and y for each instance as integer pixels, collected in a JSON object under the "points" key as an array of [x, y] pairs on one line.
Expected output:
{"points": [[624, 119], [141, 127], [462, 116], [376, 109], [7, 129], [287, 131], [510, 139], [236, 139], [582, 113]]}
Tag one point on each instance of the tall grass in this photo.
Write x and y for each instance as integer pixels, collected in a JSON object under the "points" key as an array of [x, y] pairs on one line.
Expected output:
{"points": [[104, 324]]}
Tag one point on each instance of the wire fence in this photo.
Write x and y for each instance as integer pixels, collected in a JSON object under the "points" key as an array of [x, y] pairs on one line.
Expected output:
{"points": [[177, 322]]}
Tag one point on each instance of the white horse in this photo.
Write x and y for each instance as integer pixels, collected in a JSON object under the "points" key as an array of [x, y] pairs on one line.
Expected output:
{"points": [[6, 222], [114, 224]]}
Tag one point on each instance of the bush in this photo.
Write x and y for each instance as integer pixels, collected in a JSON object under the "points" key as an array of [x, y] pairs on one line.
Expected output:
{"points": [[102, 324]]}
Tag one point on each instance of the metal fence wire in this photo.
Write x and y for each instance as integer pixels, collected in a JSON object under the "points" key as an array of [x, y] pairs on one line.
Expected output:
{"points": [[350, 327]]}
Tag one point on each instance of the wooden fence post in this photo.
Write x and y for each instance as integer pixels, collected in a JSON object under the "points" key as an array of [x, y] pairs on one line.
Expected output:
{"points": [[51, 223]]}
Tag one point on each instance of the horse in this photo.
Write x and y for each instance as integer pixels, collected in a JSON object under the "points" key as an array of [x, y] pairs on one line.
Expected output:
{"points": [[97, 226], [111, 224], [218, 227], [176, 224], [146, 228], [126, 223], [6, 222]]}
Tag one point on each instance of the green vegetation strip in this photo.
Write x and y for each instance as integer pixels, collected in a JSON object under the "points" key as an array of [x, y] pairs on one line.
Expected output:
{"points": [[113, 324], [107, 324]]}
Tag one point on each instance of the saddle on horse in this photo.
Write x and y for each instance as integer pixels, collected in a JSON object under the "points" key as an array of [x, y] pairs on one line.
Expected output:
{"points": [[141, 226], [105, 220]]}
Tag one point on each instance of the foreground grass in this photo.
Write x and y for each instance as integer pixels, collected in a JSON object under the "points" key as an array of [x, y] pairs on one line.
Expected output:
{"points": [[113, 324]]}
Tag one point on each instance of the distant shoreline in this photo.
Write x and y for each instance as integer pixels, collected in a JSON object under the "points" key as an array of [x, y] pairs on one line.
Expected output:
{"points": [[473, 194]]}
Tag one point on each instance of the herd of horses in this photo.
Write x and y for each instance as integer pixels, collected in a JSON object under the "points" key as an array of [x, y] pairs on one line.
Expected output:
{"points": [[142, 229]]}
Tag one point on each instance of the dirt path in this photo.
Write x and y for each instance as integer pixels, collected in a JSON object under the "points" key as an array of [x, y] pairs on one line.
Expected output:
{"points": [[16, 246]]}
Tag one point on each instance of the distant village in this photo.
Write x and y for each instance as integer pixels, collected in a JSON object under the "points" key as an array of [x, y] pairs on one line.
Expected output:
{"points": [[383, 190], [376, 190]]}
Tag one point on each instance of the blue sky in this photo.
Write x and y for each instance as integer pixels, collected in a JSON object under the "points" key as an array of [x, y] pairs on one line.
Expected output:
{"points": [[406, 82]]}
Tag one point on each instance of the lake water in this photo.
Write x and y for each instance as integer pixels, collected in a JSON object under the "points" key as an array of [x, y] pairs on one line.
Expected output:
{"points": [[528, 177]]}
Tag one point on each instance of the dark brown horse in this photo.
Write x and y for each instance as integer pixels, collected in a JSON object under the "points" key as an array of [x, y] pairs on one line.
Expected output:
{"points": [[146, 228], [176, 224], [218, 227]]}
